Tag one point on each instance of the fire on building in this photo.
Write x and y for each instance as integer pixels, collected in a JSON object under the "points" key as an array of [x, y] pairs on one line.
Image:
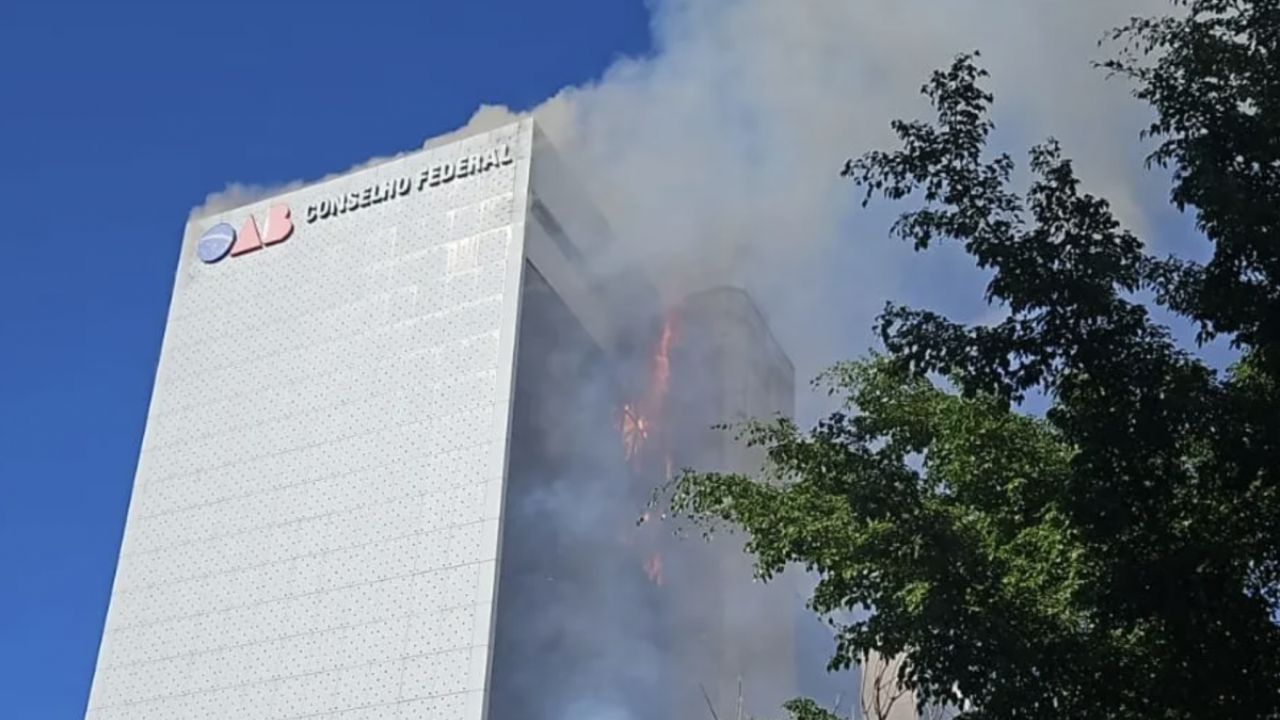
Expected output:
{"points": [[467, 416], [632, 617]]}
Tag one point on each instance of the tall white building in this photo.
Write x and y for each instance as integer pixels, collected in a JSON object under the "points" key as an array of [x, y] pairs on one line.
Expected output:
{"points": [[382, 474]]}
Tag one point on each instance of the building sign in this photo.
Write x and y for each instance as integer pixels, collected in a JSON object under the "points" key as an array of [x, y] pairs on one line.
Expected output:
{"points": [[223, 239], [438, 174]]}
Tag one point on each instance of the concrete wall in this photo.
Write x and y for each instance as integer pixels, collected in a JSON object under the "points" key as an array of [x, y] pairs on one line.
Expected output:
{"points": [[314, 523]]}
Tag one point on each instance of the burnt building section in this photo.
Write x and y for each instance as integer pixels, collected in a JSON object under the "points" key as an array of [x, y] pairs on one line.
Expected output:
{"points": [[726, 368], [575, 620], [599, 616]]}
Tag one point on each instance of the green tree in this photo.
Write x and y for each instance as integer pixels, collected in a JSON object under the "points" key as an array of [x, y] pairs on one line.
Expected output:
{"points": [[1118, 556]]}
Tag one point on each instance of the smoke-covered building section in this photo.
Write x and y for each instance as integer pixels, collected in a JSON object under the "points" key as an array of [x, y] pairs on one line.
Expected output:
{"points": [[598, 615], [726, 368], [576, 630]]}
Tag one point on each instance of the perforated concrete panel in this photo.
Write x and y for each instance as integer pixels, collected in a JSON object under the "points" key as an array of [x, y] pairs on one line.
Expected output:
{"points": [[315, 518]]}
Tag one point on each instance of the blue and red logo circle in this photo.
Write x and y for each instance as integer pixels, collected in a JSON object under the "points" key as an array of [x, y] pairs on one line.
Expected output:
{"points": [[222, 239]]}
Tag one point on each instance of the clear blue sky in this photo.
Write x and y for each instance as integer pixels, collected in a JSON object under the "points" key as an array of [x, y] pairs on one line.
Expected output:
{"points": [[115, 119]]}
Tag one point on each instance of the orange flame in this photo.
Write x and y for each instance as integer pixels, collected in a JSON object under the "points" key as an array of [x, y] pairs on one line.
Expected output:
{"points": [[641, 425], [637, 418]]}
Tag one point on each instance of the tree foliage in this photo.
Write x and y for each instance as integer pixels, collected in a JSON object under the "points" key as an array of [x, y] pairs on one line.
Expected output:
{"points": [[1119, 556]]}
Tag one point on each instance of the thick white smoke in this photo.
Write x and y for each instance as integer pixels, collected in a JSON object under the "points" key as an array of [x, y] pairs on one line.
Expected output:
{"points": [[716, 157]]}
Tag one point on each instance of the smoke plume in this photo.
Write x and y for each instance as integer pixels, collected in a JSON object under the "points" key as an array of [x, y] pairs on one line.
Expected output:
{"points": [[716, 156]]}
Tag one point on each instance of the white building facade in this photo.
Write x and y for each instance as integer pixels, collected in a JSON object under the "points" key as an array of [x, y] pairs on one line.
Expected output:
{"points": [[314, 525]]}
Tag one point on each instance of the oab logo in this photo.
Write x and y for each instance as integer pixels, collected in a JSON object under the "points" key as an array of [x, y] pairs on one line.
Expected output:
{"points": [[222, 239]]}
